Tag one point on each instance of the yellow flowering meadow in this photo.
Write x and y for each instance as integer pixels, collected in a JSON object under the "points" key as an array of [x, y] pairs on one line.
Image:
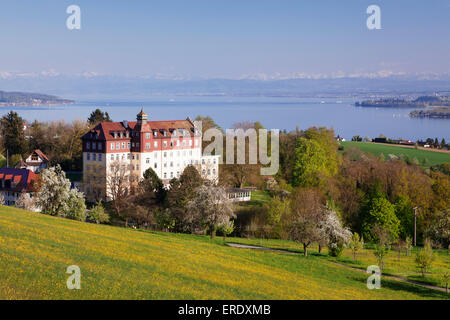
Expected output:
{"points": [[118, 263]]}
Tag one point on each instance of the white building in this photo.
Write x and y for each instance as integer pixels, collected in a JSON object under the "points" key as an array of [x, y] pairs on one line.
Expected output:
{"points": [[165, 146]]}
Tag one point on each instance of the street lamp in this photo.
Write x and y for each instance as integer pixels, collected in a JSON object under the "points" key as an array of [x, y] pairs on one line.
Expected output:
{"points": [[415, 224]]}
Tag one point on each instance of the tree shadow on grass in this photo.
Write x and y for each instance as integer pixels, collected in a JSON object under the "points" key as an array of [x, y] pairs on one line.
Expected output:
{"points": [[409, 287]]}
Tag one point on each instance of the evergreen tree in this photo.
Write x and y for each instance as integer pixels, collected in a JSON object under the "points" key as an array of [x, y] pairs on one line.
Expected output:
{"points": [[98, 116], [11, 128]]}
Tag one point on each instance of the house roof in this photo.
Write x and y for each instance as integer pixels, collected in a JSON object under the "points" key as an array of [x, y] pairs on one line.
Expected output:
{"points": [[22, 177], [41, 154], [104, 130]]}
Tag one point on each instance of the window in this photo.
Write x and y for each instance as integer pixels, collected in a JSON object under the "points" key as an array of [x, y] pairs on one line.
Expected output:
{"points": [[171, 164], [88, 145], [196, 143], [99, 146], [214, 171], [128, 145], [147, 145], [88, 157], [137, 167], [165, 175], [118, 145], [112, 157], [178, 143], [165, 154], [156, 165], [184, 143], [165, 164], [112, 145], [129, 156], [155, 133], [165, 133], [137, 144], [99, 157], [147, 135], [147, 160], [137, 157], [190, 143], [94, 146], [117, 157], [165, 144], [123, 145], [94, 157], [156, 144], [171, 175], [156, 155], [132, 144], [190, 152]]}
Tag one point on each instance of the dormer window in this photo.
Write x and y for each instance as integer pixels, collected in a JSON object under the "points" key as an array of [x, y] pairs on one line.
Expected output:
{"points": [[164, 133], [155, 133], [115, 135]]}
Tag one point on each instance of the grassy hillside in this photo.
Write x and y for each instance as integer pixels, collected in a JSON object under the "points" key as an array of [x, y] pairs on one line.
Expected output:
{"points": [[118, 263], [377, 148]]}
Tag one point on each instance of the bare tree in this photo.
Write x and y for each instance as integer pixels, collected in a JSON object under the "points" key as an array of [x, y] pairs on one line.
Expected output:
{"points": [[306, 216], [119, 186]]}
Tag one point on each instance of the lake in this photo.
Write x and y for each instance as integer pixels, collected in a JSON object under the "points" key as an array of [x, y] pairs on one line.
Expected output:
{"points": [[274, 113]]}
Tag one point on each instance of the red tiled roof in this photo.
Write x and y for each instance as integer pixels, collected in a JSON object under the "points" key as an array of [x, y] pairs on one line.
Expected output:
{"points": [[41, 154], [104, 130], [23, 178]]}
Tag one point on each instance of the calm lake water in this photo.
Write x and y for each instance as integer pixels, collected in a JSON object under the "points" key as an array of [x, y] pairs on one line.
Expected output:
{"points": [[274, 113]]}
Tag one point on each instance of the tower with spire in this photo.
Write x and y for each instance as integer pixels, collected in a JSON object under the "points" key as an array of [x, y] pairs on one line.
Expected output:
{"points": [[142, 117]]}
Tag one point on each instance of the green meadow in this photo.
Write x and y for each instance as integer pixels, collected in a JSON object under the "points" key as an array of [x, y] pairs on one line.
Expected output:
{"points": [[118, 263], [433, 157]]}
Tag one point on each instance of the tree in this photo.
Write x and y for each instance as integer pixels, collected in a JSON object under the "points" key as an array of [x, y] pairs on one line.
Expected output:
{"points": [[380, 212], [210, 208], [56, 198], [316, 158], [182, 191], [164, 219], [2, 198], [98, 116], [405, 214], [11, 129], [227, 229], [25, 201], [383, 245], [439, 230], [425, 257], [335, 234], [307, 212], [408, 245], [356, 244], [119, 182], [98, 214], [277, 211]]}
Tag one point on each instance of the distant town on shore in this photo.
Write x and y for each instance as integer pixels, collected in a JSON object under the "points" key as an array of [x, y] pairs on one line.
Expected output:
{"points": [[8, 99]]}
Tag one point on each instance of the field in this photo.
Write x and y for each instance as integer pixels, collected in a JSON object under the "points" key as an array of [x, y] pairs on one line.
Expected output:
{"points": [[433, 157], [403, 266], [118, 263]]}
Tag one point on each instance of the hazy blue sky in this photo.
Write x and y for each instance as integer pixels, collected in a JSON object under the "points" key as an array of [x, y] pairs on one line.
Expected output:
{"points": [[224, 38]]}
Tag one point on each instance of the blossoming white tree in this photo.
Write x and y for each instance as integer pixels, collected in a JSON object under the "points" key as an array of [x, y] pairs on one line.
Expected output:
{"points": [[57, 199], [210, 208], [336, 235]]}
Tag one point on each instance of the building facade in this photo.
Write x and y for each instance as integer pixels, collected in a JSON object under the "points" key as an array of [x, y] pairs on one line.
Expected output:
{"points": [[134, 146], [35, 162], [14, 182]]}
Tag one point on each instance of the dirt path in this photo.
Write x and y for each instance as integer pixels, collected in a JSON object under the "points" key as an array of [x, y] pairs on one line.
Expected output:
{"points": [[417, 283]]}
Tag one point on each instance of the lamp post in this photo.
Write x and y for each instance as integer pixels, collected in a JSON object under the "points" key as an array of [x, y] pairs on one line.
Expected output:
{"points": [[415, 224]]}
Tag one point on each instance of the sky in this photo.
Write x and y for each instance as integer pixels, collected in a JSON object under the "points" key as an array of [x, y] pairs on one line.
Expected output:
{"points": [[224, 39]]}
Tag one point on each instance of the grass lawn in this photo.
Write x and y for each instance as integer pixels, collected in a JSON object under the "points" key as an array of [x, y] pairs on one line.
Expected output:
{"points": [[404, 267], [376, 148], [118, 263]]}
